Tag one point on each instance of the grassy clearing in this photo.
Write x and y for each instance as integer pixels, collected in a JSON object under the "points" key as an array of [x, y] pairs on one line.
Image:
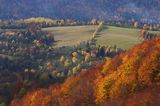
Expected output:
{"points": [[122, 37], [71, 35]]}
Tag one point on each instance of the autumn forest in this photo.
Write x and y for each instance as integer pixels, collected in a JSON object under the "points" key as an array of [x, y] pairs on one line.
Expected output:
{"points": [[79, 53], [131, 78]]}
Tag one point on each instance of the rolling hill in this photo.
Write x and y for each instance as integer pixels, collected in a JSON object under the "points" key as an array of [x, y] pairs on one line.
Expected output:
{"points": [[141, 10]]}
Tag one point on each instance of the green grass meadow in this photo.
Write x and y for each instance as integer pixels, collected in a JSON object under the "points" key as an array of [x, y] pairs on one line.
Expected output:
{"points": [[71, 35], [122, 37]]}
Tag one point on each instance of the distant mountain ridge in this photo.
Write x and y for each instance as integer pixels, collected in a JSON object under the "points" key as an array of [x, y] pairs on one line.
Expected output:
{"points": [[142, 10]]}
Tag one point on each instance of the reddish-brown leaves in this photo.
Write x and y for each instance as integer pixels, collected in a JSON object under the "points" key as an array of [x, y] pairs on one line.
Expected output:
{"points": [[124, 80]]}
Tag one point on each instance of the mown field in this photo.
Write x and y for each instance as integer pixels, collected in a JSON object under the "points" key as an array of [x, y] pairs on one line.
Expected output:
{"points": [[71, 35], [122, 37]]}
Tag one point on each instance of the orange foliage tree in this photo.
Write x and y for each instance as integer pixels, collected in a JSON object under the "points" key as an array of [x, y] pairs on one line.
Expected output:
{"points": [[118, 82]]}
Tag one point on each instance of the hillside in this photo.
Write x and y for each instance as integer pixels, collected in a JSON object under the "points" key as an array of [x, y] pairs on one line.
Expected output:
{"points": [[131, 78], [81, 9]]}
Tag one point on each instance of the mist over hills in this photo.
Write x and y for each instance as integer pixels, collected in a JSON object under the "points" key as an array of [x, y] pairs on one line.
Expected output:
{"points": [[141, 10]]}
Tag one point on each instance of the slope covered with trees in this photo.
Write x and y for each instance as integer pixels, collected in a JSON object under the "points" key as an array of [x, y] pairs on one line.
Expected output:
{"points": [[131, 78], [81, 9]]}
